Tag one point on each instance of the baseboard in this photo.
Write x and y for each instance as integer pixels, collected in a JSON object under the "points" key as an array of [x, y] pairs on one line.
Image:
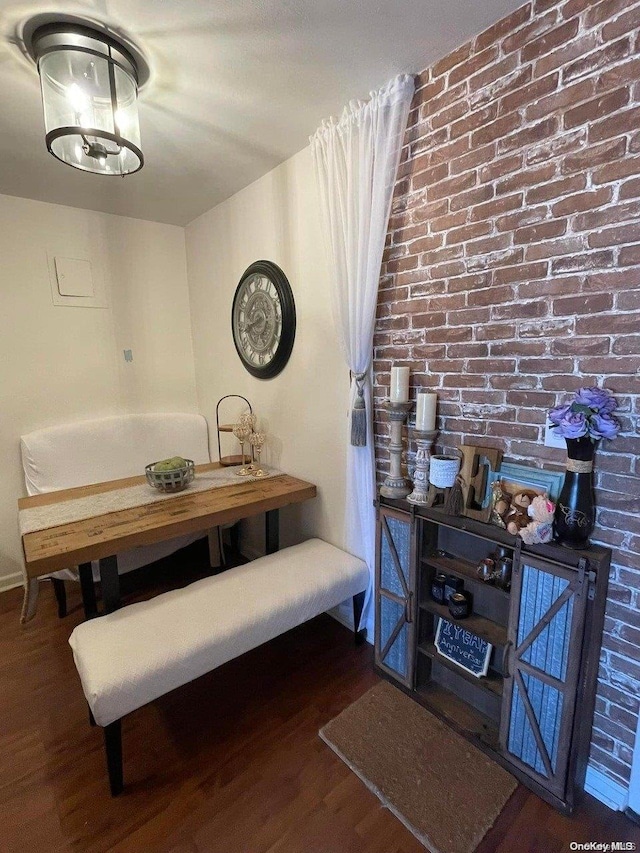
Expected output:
{"points": [[611, 793], [11, 581]]}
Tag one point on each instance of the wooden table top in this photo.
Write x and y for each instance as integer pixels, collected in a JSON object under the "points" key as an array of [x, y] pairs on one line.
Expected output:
{"points": [[104, 535]]}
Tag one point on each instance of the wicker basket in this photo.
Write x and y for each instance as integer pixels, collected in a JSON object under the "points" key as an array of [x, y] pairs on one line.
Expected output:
{"points": [[174, 480]]}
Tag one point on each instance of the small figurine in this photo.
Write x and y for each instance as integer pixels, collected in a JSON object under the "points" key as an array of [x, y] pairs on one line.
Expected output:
{"points": [[517, 516], [500, 502], [540, 529]]}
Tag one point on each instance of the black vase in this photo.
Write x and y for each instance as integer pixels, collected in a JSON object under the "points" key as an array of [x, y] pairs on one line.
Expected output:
{"points": [[575, 513]]}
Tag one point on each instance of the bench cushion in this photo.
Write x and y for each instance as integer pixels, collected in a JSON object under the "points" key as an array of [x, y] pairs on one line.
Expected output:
{"points": [[128, 658]]}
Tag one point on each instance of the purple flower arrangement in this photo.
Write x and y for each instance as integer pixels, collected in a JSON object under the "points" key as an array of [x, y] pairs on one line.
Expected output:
{"points": [[590, 414]]}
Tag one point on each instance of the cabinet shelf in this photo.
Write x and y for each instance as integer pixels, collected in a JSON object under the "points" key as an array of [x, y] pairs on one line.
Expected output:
{"points": [[492, 682], [465, 719], [490, 631], [460, 568]]}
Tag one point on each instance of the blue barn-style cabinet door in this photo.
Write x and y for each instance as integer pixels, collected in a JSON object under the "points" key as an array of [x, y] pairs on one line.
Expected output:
{"points": [[395, 581], [546, 625]]}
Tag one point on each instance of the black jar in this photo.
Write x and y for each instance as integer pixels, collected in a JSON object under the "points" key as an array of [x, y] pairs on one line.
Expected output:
{"points": [[460, 604], [452, 584], [437, 588]]}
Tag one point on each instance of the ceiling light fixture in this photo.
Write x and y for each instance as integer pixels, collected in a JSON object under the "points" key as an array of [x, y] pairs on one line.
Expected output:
{"points": [[89, 83]]}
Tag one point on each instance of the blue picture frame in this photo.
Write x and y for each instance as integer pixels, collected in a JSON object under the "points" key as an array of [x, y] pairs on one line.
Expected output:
{"points": [[537, 478]]}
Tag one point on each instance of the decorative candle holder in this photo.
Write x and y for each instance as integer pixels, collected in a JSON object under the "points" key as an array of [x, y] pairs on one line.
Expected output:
{"points": [[395, 485], [242, 433], [257, 440], [424, 440]]}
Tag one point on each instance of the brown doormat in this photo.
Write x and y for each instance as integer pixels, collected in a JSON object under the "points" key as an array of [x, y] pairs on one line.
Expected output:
{"points": [[443, 789]]}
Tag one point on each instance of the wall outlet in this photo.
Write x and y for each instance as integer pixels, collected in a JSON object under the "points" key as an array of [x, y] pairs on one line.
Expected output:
{"points": [[128, 355], [553, 438]]}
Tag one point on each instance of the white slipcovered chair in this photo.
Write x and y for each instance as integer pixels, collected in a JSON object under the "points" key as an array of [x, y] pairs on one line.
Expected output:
{"points": [[86, 452]]}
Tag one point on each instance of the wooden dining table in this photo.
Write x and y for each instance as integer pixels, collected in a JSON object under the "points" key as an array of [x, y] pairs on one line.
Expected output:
{"points": [[103, 536]]}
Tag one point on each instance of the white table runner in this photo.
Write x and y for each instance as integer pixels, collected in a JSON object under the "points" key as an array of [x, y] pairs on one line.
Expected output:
{"points": [[78, 509]]}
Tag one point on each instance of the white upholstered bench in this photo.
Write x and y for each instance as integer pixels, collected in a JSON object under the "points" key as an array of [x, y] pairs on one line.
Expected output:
{"points": [[138, 653]]}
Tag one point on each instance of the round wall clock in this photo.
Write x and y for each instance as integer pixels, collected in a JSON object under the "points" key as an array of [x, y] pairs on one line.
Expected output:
{"points": [[263, 319]]}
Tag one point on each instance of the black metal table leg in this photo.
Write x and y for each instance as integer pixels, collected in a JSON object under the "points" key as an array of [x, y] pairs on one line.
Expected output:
{"points": [[88, 591], [272, 531], [110, 583]]}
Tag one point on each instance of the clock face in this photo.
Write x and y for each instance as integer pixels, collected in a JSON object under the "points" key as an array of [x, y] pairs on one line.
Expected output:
{"points": [[263, 319]]}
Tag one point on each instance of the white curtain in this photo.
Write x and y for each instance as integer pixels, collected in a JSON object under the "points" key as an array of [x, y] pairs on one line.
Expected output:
{"points": [[356, 160]]}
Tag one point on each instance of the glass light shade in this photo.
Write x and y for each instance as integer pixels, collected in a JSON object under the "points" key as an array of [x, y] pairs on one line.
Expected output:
{"points": [[89, 94]]}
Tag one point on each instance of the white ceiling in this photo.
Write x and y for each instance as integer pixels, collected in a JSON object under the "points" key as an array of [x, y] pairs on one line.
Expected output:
{"points": [[237, 87]]}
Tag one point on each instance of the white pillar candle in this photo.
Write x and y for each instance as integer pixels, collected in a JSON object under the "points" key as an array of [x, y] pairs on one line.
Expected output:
{"points": [[399, 385], [426, 411]]}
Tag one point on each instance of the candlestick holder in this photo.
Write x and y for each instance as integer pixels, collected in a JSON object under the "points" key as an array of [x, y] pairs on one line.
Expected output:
{"points": [[424, 439], [395, 485]]}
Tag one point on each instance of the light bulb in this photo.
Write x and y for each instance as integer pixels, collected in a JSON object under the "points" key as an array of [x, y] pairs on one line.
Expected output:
{"points": [[78, 99]]}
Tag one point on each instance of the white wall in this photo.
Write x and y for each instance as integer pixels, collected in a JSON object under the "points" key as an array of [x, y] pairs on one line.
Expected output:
{"points": [[304, 409], [59, 364]]}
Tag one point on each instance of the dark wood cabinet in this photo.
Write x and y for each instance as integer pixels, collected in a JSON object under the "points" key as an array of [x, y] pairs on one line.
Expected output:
{"points": [[533, 711]]}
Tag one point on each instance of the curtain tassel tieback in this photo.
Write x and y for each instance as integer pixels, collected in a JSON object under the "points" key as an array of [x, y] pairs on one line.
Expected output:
{"points": [[359, 414]]}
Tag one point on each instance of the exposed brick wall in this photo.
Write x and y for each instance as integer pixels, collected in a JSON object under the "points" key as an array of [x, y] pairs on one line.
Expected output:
{"points": [[512, 270]]}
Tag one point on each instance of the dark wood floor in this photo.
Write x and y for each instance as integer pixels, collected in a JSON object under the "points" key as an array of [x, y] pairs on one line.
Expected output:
{"points": [[229, 764]]}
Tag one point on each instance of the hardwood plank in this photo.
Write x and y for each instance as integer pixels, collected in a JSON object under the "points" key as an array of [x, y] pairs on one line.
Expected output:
{"points": [[230, 763], [103, 536]]}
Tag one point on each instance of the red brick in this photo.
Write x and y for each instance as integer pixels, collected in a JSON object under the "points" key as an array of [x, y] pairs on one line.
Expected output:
{"points": [[446, 188], [470, 198], [626, 345], [614, 125], [491, 296], [600, 12], [451, 60], [594, 155], [506, 275], [475, 62], [582, 201], [608, 365], [554, 248], [519, 310], [580, 346], [630, 189], [445, 117], [528, 94], [496, 206], [615, 236], [560, 100], [540, 231], [537, 27], [624, 24], [583, 304], [526, 178], [556, 286], [587, 261], [473, 158], [478, 118], [504, 27], [629, 211], [628, 72], [562, 56], [597, 108], [615, 171], [529, 135], [598, 59], [554, 38], [556, 189], [501, 167], [629, 256], [428, 177], [496, 129]]}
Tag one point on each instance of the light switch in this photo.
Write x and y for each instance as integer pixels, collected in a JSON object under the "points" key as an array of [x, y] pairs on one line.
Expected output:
{"points": [[74, 277]]}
